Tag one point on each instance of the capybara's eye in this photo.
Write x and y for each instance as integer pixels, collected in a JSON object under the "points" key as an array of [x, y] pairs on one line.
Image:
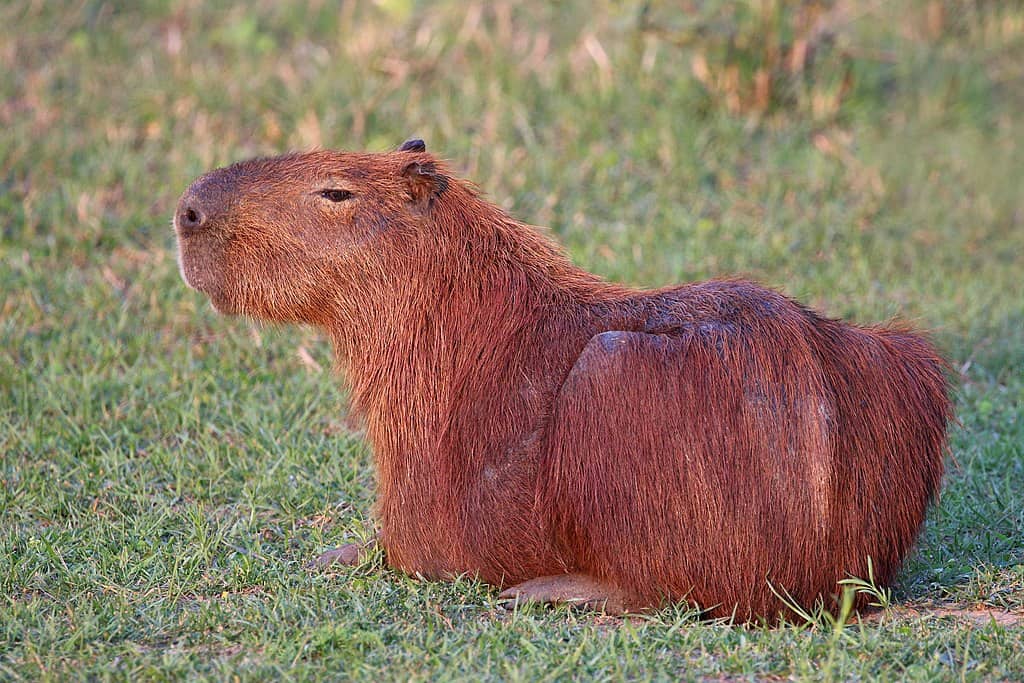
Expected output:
{"points": [[336, 195]]}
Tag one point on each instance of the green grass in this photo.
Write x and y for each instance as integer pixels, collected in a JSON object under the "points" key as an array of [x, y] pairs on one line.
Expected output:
{"points": [[165, 473]]}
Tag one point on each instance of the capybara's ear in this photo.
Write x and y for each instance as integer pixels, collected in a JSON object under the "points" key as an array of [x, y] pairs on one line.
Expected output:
{"points": [[413, 145], [425, 183]]}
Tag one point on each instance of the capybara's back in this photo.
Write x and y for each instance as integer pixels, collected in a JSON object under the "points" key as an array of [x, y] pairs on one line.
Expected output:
{"points": [[566, 438]]}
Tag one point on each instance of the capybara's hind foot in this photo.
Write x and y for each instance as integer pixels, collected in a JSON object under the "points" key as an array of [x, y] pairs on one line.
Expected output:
{"points": [[347, 555], [570, 589]]}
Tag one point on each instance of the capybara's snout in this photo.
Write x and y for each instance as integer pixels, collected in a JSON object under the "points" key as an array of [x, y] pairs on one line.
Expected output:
{"points": [[205, 201], [190, 216]]}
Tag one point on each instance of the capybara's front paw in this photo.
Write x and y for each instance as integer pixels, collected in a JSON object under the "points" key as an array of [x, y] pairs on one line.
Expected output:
{"points": [[348, 555]]}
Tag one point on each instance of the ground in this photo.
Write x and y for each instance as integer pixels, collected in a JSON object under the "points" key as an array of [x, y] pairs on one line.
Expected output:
{"points": [[166, 473]]}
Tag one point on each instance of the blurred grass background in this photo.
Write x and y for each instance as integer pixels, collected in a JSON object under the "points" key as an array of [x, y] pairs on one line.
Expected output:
{"points": [[166, 472]]}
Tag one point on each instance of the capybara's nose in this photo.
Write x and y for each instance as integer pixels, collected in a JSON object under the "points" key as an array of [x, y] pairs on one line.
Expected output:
{"points": [[205, 201], [190, 217]]}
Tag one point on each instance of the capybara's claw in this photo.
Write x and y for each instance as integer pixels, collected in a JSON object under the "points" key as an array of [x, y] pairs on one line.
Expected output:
{"points": [[569, 589]]}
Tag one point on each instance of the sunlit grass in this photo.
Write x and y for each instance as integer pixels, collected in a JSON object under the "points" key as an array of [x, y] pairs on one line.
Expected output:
{"points": [[166, 473]]}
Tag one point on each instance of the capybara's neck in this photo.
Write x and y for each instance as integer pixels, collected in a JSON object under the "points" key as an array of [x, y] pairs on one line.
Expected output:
{"points": [[456, 296]]}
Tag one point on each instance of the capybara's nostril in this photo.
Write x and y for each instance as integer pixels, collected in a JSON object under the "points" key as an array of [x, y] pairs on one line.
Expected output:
{"points": [[191, 218]]}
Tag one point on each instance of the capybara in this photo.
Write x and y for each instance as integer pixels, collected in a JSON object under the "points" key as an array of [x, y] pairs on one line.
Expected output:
{"points": [[565, 438]]}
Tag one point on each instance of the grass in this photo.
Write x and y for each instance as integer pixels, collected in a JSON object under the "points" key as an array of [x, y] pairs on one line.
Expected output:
{"points": [[165, 473]]}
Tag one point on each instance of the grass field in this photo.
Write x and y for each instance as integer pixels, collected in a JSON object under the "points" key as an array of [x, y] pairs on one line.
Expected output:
{"points": [[165, 473]]}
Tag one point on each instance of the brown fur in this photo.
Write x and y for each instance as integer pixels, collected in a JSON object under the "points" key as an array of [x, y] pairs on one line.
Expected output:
{"points": [[702, 442]]}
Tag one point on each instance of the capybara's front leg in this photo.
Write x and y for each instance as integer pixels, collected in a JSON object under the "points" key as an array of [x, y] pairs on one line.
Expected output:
{"points": [[571, 589], [348, 555]]}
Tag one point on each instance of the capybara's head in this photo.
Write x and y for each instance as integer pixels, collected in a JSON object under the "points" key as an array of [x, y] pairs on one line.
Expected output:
{"points": [[262, 237]]}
